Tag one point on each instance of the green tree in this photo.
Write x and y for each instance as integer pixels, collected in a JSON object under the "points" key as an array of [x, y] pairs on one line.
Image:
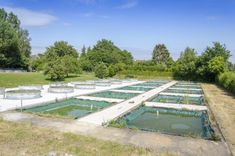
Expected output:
{"points": [[101, 71], [185, 66], [227, 80], [229, 66], [105, 51], [112, 70], [202, 64], [83, 53], [71, 65], [54, 68], [120, 66], [86, 64], [37, 62], [63, 53], [15, 47], [160, 54], [169, 63], [62, 48], [216, 65], [218, 49], [88, 49]]}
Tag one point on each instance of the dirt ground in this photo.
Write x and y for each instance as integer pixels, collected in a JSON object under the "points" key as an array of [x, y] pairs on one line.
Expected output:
{"points": [[222, 104]]}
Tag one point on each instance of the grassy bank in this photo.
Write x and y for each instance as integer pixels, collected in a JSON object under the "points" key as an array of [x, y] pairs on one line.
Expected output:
{"points": [[15, 79], [25, 139]]}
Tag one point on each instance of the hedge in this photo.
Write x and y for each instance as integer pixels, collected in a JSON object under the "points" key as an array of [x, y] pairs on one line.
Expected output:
{"points": [[227, 80]]}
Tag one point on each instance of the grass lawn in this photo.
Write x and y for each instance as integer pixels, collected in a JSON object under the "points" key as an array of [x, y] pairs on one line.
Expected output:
{"points": [[25, 139], [14, 79], [8, 80], [146, 75]]}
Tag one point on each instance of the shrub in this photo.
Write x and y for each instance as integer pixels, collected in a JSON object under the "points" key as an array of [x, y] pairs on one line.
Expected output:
{"points": [[101, 71], [227, 80], [112, 71], [86, 65], [55, 70]]}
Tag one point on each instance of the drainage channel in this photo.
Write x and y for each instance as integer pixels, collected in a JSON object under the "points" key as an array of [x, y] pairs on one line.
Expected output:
{"points": [[111, 113]]}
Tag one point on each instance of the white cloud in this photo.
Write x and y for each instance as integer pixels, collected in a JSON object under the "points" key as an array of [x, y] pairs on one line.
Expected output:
{"points": [[128, 5], [30, 17]]}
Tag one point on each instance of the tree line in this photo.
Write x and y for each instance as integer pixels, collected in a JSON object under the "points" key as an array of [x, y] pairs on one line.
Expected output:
{"points": [[15, 46], [106, 59], [62, 59]]}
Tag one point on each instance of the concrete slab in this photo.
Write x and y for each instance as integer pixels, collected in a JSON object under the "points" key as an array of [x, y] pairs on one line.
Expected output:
{"points": [[180, 94], [188, 84], [184, 88], [100, 99], [176, 106], [143, 86], [126, 91]]}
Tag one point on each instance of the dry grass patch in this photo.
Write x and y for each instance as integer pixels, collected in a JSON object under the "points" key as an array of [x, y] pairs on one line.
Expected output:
{"points": [[222, 105], [25, 139]]}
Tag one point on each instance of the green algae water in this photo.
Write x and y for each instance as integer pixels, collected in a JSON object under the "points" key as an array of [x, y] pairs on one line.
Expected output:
{"points": [[178, 99], [74, 108], [135, 88], [115, 95], [170, 121]]}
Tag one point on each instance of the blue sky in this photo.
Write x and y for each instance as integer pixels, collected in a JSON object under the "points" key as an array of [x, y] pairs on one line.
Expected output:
{"points": [[135, 25]]}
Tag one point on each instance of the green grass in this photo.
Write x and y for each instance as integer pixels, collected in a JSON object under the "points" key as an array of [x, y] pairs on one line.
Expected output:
{"points": [[25, 139], [8, 80], [116, 124], [15, 79], [64, 110], [145, 75]]}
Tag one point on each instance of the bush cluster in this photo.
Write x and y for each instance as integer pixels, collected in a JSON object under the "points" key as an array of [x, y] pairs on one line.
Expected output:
{"points": [[227, 80]]}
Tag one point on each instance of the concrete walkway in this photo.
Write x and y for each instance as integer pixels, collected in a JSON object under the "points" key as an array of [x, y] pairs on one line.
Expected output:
{"points": [[100, 99], [6, 104], [127, 91], [142, 86], [185, 88], [188, 85], [176, 106], [111, 113], [180, 94], [183, 146]]}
